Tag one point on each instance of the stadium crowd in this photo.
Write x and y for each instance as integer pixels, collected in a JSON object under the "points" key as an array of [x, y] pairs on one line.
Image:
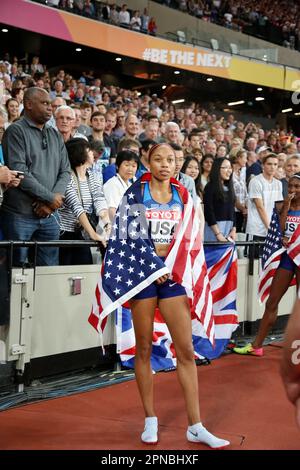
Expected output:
{"points": [[275, 21], [71, 147]]}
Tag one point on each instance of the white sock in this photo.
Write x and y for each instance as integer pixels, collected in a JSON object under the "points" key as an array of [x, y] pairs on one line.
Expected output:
{"points": [[150, 434], [198, 433]]}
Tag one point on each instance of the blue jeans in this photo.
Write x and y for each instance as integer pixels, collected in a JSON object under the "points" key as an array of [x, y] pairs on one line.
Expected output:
{"points": [[21, 228]]}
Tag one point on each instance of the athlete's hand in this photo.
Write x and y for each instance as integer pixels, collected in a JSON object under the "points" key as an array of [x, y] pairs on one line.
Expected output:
{"points": [[287, 201], [162, 279]]}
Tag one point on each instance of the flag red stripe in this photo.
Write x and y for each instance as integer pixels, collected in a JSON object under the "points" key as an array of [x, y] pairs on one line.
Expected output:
{"points": [[225, 319]]}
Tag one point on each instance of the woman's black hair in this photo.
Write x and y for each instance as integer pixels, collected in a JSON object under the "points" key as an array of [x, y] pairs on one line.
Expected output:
{"points": [[126, 155], [188, 159], [218, 184], [77, 151]]}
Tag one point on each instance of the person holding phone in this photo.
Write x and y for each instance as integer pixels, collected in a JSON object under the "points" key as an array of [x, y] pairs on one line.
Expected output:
{"points": [[8, 179]]}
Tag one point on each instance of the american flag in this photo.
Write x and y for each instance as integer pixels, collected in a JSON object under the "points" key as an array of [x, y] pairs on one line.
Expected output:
{"points": [[131, 264], [270, 261]]}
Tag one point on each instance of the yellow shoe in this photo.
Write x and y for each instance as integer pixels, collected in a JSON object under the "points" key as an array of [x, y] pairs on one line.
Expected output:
{"points": [[248, 349]]}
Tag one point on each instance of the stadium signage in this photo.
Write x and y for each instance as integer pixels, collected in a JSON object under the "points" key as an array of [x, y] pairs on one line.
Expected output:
{"points": [[181, 57]]}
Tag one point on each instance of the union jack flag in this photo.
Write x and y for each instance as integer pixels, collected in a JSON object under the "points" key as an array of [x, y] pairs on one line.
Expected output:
{"points": [[131, 264], [221, 261], [272, 252]]}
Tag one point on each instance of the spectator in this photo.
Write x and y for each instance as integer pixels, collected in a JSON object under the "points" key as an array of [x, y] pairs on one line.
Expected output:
{"points": [[65, 119], [145, 18], [89, 9], [18, 94], [185, 180], [264, 190], [136, 21], [124, 16], [98, 124], [84, 195], [124, 144], [119, 130], [152, 26], [251, 158], [146, 145], [54, 105], [219, 202], [206, 166], [114, 15], [36, 66], [132, 127], [210, 148], [115, 187], [291, 166], [197, 153], [172, 133], [221, 151], [290, 149], [86, 112], [12, 107], [240, 189], [256, 168], [30, 146], [58, 91], [191, 167]]}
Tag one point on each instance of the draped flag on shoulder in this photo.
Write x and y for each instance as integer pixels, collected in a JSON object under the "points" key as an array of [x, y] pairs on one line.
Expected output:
{"points": [[272, 252], [131, 264]]}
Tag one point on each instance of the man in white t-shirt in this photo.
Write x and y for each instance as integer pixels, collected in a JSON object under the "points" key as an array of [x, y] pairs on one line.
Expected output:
{"points": [[263, 191]]}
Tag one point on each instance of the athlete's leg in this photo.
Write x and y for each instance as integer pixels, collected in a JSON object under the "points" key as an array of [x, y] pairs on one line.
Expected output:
{"points": [[280, 285], [176, 312], [143, 316]]}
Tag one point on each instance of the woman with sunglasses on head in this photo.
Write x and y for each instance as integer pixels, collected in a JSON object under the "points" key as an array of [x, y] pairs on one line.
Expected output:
{"points": [[289, 216], [161, 195]]}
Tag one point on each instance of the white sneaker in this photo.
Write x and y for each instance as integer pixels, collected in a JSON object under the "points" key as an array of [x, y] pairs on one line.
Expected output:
{"points": [[150, 434], [201, 435]]}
